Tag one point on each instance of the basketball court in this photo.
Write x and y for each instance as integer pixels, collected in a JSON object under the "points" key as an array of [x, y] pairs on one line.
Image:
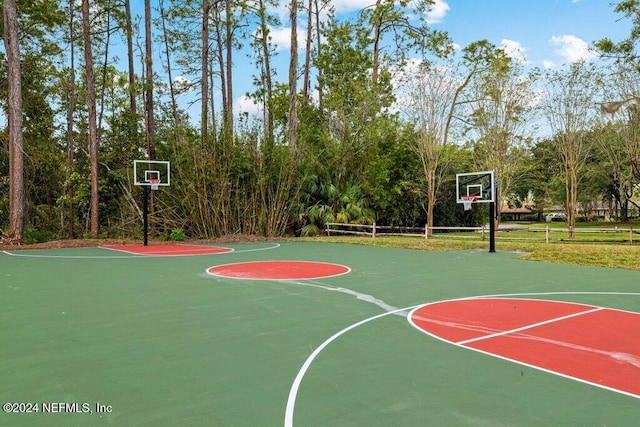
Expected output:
{"points": [[292, 333]]}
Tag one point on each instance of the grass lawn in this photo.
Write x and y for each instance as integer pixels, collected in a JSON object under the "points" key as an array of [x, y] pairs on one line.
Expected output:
{"points": [[589, 249]]}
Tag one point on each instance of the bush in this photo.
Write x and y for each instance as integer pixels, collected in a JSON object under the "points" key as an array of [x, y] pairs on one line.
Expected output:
{"points": [[32, 236], [177, 235]]}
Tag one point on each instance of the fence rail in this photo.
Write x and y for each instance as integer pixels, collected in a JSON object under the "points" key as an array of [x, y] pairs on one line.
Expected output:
{"points": [[546, 234]]}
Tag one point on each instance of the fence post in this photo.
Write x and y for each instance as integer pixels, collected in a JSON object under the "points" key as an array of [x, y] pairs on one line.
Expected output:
{"points": [[426, 231], [373, 230], [482, 235], [546, 233], [631, 235]]}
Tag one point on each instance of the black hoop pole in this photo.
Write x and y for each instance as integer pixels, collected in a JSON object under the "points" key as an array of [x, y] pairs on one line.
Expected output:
{"points": [[145, 212], [492, 227]]}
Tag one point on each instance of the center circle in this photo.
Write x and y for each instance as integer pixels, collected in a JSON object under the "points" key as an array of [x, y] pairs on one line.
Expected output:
{"points": [[278, 270]]}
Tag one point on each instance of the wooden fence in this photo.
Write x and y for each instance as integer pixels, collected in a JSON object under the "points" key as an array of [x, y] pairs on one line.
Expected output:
{"points": [[546, 234]]}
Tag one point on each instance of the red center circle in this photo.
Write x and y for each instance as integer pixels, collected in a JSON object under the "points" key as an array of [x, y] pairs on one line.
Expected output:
{"points": [[278, 270]]}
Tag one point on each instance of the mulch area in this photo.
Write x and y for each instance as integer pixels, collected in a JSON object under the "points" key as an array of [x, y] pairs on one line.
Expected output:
{"points": [[88, 243]]}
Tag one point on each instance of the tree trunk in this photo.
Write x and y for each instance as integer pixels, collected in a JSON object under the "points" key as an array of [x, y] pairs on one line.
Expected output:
{"points": [[307, 53], [293, 77], [71, 103], [319, 44], [268, 84], [91, 110], [229, 71], [149, 119], [377, 34], [130, 58], [172, 91], [204, 112], [430, 174], [221, 62], [14, 104]]}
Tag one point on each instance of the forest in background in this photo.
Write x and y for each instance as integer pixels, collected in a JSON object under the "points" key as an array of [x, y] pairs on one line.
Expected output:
{"points": [[375, 118]]}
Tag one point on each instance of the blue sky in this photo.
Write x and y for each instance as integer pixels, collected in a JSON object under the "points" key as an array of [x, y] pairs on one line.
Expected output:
{"points": [[548, 32], [542, 33]]}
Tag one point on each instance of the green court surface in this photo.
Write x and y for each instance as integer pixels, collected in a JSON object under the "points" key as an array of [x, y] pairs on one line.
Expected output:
{"points": [[157, 341]]}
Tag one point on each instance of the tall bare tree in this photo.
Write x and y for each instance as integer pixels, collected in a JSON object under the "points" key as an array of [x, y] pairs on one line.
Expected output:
{"points": [[293, 76], [148, 104], [71, 105], [169, 68], [621, 110], [130, 57], [204, 113], [92, 119], [570, 112], [434, 94], [432, 97], [229, 25], [503, 107], [307, 53], [16, 146]]}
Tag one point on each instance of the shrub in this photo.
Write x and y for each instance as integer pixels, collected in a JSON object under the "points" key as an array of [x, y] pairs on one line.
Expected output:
{"points": [[177, 235]]}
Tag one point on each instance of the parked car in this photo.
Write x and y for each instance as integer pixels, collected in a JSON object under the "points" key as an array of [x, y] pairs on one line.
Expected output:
{"points": [[556, 216]]}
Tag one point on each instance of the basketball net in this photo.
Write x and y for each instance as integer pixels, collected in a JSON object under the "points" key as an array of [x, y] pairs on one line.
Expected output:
{"points": [[468, 201], [154, 184]]}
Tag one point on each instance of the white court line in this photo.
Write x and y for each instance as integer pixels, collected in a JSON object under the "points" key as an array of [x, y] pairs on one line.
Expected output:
{"points": [[293, 392], [524, 328]]}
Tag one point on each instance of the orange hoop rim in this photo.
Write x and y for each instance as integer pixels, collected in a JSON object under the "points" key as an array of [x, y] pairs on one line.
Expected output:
{"points": [[154, 183]]}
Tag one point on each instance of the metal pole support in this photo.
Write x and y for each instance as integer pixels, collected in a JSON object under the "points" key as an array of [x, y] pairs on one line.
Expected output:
{"points": [[492, 227], [145, 212]]}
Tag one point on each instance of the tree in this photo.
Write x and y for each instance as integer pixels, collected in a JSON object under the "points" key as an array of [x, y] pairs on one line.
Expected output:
{"points": [[624, 51], [293, 77], [204, 64], [14, 103], [92, 125], [501, 110], [568, 107], [132, 77], [148, 103], [352, 100], [264, 51], [622, 114], [432, 95], [409, 29]]}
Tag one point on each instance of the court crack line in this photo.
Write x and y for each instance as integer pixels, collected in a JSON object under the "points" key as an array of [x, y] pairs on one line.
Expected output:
{"points": [[360, 296]]}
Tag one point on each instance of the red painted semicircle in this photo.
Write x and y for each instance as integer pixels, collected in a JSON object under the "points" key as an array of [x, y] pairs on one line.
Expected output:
{"points": [[596, 345], [171, 249], [278, 270]]}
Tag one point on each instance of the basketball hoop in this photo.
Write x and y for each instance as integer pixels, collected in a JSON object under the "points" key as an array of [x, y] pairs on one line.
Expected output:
{"points": [[468, 201], [154, 184]]}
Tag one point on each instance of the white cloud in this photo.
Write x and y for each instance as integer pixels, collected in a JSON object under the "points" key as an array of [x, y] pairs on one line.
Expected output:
{"points": [[438, 11], [572, 48], [547, 63], [244, 104], [281, 37], [514, 50]]}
